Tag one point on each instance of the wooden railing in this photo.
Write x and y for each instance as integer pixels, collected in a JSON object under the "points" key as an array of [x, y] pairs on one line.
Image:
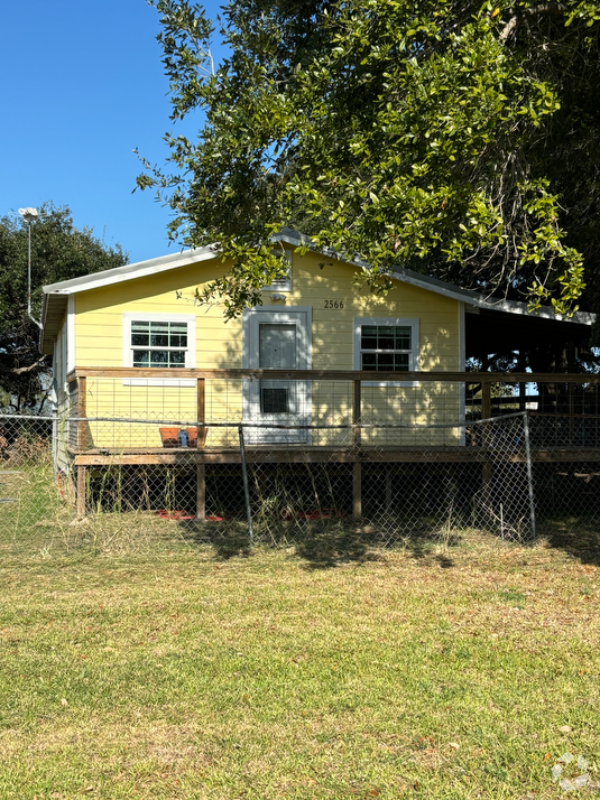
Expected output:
{"points": [[559, 386], [549, 383]]}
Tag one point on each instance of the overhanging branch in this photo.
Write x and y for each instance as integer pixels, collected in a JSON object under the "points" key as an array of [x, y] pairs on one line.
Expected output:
{"points": [[21, 370]]}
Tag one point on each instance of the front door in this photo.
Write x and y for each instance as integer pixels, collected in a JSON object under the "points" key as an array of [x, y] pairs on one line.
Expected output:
{"points": [[277, 340]]}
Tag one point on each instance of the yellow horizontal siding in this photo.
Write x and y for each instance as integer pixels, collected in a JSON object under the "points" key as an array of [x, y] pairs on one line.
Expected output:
{"points": [[98, 321], [99, 342]]}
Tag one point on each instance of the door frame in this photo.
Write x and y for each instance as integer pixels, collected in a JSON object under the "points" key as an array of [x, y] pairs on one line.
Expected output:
{"points": [[301, 317]]}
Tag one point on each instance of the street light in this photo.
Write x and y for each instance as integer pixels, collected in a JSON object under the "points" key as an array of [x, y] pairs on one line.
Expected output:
{"points": [[29, 215]]}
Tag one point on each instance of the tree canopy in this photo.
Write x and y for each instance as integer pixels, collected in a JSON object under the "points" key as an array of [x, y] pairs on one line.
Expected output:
{"points": [[59, 251], [459, 139]]}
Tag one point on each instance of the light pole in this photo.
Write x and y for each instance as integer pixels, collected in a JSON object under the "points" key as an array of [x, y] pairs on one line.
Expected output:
{"points": [[29, 215]]}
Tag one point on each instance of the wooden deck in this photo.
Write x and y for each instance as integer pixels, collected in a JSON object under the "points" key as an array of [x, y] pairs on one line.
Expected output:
{"points": [[303, 454], [564, 395]]}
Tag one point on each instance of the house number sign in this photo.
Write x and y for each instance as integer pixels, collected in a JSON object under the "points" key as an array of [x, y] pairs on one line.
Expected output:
{"points": [[333, 304]]}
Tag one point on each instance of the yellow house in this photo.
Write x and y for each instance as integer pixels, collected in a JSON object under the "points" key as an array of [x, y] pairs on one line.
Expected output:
{"points": [[140, 337], [324, 371]]}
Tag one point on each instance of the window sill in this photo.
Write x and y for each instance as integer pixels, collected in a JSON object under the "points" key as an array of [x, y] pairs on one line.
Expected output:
{"points": [[181, 383], [402, 384]]}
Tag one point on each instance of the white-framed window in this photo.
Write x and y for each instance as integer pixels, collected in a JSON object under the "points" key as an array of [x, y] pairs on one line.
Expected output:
{"points": [[158, 341], [282, 284], [386, 344]]}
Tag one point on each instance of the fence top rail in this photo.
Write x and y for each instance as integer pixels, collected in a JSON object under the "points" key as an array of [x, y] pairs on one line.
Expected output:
{"points": [[267, 425], [334, 375]]}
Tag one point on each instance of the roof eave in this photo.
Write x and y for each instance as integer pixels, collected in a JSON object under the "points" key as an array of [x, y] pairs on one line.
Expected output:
{"points": [[441, 287], [295, 239], [129, 272]]}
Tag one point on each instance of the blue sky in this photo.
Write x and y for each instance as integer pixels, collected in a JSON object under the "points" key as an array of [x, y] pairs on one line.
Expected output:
{"points": [[82, 86]]}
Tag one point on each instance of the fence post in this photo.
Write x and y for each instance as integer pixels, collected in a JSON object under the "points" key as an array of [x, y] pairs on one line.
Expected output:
{"points": [[81, 412], [200, 443], [81, 492], [356, 442], [486, 413], [246, 487], [486, 400], [529, 474], [81, 442]]}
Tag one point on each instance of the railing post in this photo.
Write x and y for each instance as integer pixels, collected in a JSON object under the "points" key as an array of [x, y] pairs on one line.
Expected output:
{"points": [[356, 432], [486, 400], [356, 441], [201, 411], [571, 391], [522, 397], [200, 443]]}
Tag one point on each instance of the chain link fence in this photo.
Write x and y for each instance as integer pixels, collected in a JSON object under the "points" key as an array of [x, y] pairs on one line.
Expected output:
{"points": [[498, 476]]}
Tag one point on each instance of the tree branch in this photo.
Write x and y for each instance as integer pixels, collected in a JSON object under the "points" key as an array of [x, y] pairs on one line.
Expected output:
{"points": [[556, 9], [21, 370]]}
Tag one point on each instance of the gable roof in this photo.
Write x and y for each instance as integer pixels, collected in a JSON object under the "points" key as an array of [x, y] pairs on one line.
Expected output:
{"points": [[56, 294]]}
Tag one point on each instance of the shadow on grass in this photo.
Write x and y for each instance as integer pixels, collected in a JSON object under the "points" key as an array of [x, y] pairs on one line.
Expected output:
{"points": [[320, 544], [229, 539], [577, 536]]}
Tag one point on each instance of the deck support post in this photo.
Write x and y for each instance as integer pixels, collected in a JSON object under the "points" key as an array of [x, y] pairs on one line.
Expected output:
{"points": [[522, 396], [200, 443], [486, 400], [81, 492], [356, 442]]}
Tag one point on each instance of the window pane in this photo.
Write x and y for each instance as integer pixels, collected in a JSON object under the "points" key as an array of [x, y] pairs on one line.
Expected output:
{"points": [[369, 361], [178, 340], [403, 337], [140, 333], [159, 334], [159, 340], [368, 337], [401, 363], [385, 338], [385, 361], [274, 401], [159, 358], [177, 358], [141, 358], [139, 339]]}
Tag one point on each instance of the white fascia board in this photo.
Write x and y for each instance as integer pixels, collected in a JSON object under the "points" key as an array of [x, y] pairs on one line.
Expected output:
{"points": [[296, 239], [478, 300], [129, 272], [437, 286]]}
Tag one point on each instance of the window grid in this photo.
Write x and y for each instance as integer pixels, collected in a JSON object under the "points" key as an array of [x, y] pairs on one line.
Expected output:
{"points": [[159, 344], [385, 348]]}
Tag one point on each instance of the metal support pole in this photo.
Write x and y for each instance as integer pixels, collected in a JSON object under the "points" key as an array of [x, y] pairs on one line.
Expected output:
{"points": [[29, 314], [356, 441], [246, 487], [529, 473]]}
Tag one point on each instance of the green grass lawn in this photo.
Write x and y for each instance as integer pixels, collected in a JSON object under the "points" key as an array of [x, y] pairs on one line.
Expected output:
{"points": [[183, 671]]}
